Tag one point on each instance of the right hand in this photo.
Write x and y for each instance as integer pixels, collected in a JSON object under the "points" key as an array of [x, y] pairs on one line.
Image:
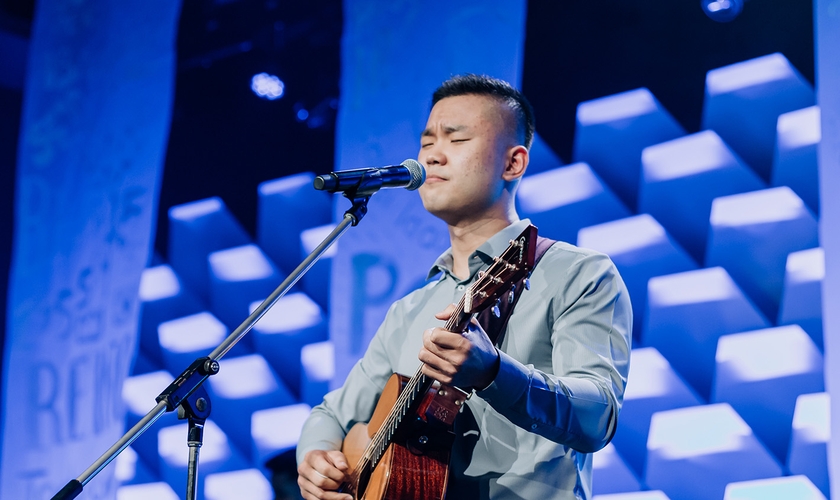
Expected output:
{"points": [[321, 473]]}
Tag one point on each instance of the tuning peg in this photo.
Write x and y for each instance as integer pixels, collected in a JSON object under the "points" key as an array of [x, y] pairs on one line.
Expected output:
{"points": [[510, 294], [496, 312], [527, 284]]}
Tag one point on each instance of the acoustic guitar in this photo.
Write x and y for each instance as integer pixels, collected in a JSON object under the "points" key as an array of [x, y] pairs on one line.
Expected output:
{"points": [[403, 451]]}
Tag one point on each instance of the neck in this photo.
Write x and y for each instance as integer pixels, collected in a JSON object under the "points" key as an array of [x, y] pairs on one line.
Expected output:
{"points": [[467, 236]]}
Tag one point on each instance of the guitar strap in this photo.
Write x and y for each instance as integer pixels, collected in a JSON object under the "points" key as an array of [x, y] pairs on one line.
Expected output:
{"points": [[495, 326]]}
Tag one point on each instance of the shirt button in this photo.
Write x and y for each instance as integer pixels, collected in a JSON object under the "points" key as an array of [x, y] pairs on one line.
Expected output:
{"points": [[461, 287], [533, 427]]}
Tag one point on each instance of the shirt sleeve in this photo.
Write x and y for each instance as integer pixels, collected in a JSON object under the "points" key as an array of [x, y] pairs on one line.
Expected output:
{"points": [[354, 402], [577, 404]]}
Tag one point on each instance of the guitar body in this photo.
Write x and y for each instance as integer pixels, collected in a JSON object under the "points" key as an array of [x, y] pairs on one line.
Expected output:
{"points": [[415, 465]]}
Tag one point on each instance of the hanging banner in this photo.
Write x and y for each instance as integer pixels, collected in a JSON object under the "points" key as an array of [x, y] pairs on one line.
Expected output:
{"points": [[827, 38], [95, 121]]}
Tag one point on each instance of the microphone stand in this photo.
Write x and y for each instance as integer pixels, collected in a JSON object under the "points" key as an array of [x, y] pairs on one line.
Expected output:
{"points": [[186, 392]]}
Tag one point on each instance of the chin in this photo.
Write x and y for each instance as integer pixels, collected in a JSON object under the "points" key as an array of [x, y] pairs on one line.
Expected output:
{"points": [[435, 209], [430, 202]]}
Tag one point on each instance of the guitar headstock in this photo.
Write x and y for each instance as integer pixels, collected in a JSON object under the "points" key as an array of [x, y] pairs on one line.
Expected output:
{"points": [[512, 265]]}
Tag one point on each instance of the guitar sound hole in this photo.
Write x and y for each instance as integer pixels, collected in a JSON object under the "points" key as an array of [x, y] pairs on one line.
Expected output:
{"points": [[361, 486]]}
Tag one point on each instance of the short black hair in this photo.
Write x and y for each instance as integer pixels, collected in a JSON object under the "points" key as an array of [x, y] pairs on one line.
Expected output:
{"points": [[472, 84]]}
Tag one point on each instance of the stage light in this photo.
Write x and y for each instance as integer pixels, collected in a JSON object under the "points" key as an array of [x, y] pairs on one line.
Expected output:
{"points": [[722, 11], [267, 86]]}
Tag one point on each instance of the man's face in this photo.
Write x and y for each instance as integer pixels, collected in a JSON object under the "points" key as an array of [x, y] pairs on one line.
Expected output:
{"points": [[464, 149]]}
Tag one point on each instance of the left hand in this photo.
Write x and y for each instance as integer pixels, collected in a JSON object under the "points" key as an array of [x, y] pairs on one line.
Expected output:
{"points": [[468, 360]]}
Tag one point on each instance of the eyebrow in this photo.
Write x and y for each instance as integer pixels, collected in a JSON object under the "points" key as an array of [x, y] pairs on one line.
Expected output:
{"points": [[448, 129]]}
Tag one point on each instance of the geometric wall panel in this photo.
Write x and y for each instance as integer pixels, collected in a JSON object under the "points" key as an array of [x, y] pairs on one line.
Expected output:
{"points": [[640, 248], [688, 312], [795, 159], [652, 386], [761, 373], [636, 495], [611, 132], [239, 484], [317, 370], [162, 297], [751, 235], [239, 276], [244, 385], [158, 491], [693, 453], [182, 340], [563, 200], [681, 178], [777, 488], [541, 156], [293, 322], [276, 430], [285, 207], [744, 100], [197, 229], [810, 437], [610, 474], [316, 282], [802, 294]]}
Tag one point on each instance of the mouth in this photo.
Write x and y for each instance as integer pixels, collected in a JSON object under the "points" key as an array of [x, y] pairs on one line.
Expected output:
{"points": [[433, 179]]}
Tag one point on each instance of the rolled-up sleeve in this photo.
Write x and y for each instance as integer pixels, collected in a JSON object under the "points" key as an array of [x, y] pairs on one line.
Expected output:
{"points": [[577, 401]]}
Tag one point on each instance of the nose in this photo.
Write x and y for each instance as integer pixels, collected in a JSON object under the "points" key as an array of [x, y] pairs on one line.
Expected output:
{"points": [[433, 155]]}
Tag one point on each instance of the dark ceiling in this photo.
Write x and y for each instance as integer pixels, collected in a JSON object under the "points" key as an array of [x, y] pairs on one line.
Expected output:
{"points": [[225, 140], [577, 51]]}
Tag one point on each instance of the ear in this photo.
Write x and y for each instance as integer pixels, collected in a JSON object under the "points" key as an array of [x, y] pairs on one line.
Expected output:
{"points": [[517, 162]]}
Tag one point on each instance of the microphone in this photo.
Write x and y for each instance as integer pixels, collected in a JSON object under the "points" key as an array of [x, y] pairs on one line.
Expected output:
{"points": [[365, 181]]}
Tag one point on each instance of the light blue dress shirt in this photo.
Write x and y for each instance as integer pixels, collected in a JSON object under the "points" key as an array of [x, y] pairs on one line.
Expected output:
{"points": [[556, 399]]}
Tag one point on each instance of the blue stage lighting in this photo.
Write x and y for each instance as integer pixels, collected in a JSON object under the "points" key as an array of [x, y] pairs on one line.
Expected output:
{"points": [[267, 86], [722, 11]]}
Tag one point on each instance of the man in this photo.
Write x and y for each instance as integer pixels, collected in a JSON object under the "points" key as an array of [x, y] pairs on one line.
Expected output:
{"points": [[550, 394]]}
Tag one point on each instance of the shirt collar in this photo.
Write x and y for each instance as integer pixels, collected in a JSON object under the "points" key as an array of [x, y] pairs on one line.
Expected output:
{"points": [[493, 247]]}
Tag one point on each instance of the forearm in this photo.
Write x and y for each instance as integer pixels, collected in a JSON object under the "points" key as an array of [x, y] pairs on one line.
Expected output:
{"points": [[321, 431], [574, 411]]}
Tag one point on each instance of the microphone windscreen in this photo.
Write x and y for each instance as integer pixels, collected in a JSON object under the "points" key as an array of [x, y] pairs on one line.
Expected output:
{"points": [[418, 173]]}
